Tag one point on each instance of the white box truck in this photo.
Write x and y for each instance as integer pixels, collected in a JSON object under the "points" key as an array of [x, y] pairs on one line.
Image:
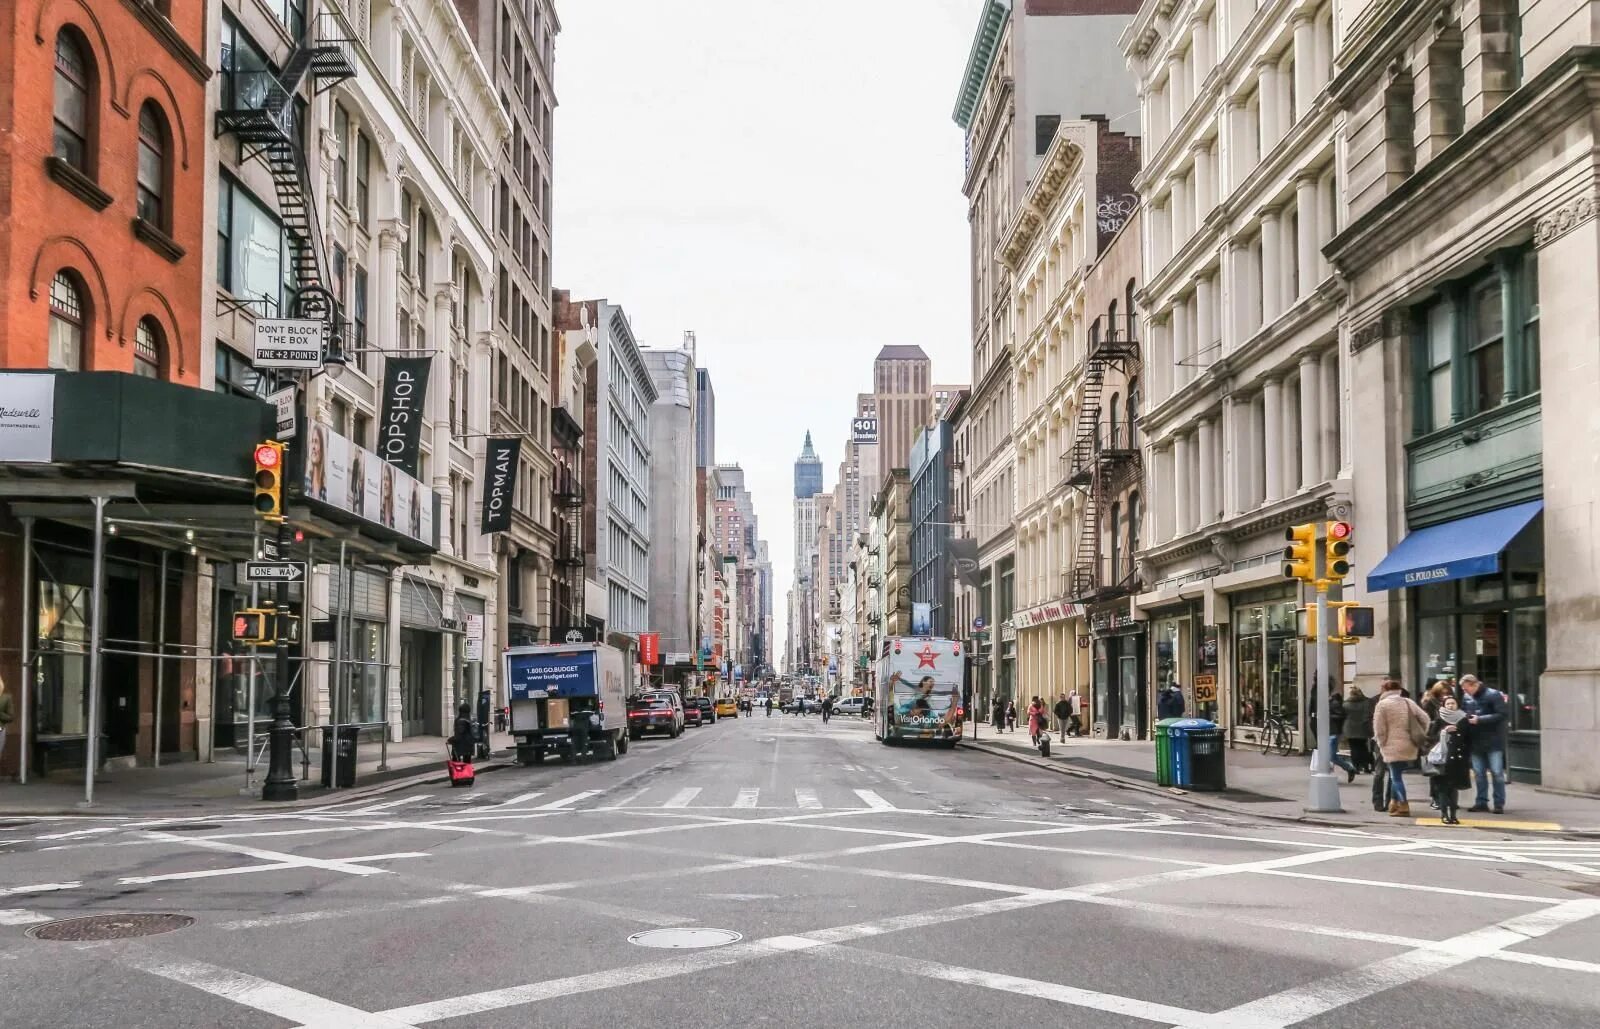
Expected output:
{"points": [[548, 683]]}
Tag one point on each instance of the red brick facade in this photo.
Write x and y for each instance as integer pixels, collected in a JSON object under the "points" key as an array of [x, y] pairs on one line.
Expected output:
{"points": [[53, 219]]}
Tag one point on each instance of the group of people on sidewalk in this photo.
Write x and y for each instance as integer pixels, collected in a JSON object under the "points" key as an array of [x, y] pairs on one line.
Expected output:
{"points": [[1068, 712], [1456, 737]]}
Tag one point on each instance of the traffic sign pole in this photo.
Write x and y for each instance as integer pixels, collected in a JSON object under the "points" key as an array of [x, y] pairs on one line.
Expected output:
{"points": [[281, 783]]}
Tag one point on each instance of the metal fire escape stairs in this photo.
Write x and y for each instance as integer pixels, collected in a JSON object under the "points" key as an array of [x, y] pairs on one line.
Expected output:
{"points": [[1104, 455], [264, 121]]}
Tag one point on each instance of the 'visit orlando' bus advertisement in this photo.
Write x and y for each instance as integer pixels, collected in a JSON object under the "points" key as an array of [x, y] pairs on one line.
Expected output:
{"points": [[921, 692]]}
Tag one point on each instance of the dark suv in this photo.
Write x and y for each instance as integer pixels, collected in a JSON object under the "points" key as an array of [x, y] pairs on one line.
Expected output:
{"points": [[708, 710]]}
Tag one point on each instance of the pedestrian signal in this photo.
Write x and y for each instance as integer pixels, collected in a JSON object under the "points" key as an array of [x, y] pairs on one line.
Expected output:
{"points": [[252, 625]]}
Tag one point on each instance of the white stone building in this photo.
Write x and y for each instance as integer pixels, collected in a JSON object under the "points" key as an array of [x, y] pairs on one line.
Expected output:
{"points": [[622, 487], [1243, 413]]}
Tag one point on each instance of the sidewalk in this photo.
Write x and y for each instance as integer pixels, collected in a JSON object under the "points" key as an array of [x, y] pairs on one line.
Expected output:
{"points": [[1275, 787], [193, 787]]}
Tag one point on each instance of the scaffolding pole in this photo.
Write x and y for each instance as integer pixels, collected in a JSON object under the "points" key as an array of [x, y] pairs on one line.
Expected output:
{"points": [[25, 645], [216, 603], [250, 702], [96, 606], [336, 681], [161, 653]]}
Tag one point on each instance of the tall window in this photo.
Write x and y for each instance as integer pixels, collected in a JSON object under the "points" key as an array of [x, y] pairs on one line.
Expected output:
{"points": [[363, 178], [358, 316], [1116, 543], [147, 349], [1530, 324], [67, 322], [152, 173], [73, 99], [405, 216], [1486, 348], [1132, 419], [341, 161], [1133, 528], [251, 245]]}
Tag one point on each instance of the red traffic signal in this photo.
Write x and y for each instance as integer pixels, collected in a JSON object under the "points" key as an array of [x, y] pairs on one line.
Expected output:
{"points": [[268, 455]]}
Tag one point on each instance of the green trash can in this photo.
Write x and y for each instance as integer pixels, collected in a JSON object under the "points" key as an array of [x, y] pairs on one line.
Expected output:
{"points": [[1166, 771]]}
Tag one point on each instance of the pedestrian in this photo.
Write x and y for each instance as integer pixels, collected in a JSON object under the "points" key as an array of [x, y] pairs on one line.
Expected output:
{"points": [[998, 716], [7, 715], [1336, 719], [1401, 729], [1433, 697], [1486, 714], [1038, 724], [1358, 727], [1077, 713], [769, 705], [1063, 711], [827, 708], [1169, 702], [1011, 715], [465, 735], [1454, 773]]}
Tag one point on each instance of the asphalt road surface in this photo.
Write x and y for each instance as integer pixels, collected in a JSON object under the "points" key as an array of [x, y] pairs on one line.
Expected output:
{"points": [[867, 886]]}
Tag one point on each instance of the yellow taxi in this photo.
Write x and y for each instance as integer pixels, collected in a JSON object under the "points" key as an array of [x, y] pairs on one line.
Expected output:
{"points": [[727, 707]]}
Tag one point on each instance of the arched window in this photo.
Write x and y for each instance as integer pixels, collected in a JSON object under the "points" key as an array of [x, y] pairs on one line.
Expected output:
{"points": [[69, 321], [1113, 438], [74, 99], [152, 174], [1112, 332], [1132, 418], [1116, 543], [1128, 298], [147, 349]]}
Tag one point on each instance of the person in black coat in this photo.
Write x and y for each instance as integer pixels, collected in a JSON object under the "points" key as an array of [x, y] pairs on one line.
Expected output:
{"points": [[1455, 774], [464, 736], [1358, 728]]}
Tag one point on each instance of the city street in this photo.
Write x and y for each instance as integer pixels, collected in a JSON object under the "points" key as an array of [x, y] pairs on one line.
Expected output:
{"points": [[867, 886]]}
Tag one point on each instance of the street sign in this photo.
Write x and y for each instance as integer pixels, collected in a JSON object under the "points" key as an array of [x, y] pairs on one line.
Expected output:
{"points": [[288, 343], [269, 548], [283, 401], [979, 624], [980, 634], [273, 571], [474, 647]]}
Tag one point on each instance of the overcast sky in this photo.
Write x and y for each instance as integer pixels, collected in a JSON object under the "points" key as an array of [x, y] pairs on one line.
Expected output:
{"points": [[784, 179]]}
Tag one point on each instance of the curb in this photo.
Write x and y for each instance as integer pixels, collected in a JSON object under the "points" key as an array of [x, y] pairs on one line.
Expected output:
{"points": [[242, 805], [1187, 797]]}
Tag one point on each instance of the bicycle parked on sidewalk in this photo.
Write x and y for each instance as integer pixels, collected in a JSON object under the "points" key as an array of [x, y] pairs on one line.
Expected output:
{"points": [[1276, 734]]}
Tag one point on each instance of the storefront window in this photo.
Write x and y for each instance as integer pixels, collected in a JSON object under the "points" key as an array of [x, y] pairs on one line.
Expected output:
{"points": [[1436, 646], [1268, 662], [1102, 682], [1205, 674], [368, 674], [1527, 664], [1250, 691], [1166, 652], [60, 697]]}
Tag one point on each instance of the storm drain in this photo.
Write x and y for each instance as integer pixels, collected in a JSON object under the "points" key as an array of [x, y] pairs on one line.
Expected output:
{"points": [[92, 928], [685, 939]]}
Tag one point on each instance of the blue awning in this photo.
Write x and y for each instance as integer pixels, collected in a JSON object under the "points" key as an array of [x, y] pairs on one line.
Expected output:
{"points": [[1455, 550]]}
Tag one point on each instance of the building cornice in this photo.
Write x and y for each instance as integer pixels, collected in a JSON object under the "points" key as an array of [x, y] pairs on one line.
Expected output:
{"points": [[980, 58], [1061, 166]]}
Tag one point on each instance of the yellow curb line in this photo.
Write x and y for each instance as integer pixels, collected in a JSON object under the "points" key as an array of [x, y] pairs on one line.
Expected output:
{"points": [[1484, 823]]}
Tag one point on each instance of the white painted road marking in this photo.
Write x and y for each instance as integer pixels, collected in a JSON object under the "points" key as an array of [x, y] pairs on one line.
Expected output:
{"points": [[747, 797], [18, 916], [275, 857], [874, 801], [12, 891], [303, 1009], [683, 797], [807, 799], [566, 802], [386, 805], [522, 798]]}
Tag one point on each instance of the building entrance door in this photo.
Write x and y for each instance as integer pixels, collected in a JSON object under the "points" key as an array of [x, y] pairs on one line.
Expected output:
{"points": [[412, 677], [1128, 691]]}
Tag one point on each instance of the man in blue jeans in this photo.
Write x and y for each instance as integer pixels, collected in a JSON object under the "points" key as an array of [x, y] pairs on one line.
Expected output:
{"points": [[1486, 717]]}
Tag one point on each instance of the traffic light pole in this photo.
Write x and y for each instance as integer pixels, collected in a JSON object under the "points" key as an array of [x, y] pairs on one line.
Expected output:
{"points": [[281, 783], [1323, 793]]}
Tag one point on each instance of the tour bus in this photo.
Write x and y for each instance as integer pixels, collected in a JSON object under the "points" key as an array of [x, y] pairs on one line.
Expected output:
{"points": [[920, 692]]}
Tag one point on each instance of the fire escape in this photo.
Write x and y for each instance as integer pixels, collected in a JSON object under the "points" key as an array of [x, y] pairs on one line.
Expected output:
{"points": [[1104, 457], [263, 116], [566, 492]]}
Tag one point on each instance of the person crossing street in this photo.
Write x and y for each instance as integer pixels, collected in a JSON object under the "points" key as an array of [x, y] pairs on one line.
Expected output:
{"points": [[1063, 713]]}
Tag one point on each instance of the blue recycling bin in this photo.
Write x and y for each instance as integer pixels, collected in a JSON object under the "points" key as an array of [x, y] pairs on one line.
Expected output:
{"points": [[1182, 756]]}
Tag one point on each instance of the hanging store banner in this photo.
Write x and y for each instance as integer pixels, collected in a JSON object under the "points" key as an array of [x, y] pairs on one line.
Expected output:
{"points": [[921, 619], [500, 460], [649, 648], [964, 559], [27, 417], [353, 479], [405, 394]]}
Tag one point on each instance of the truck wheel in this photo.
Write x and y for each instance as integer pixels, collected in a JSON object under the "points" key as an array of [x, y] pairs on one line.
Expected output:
{"points": [[538, 757], [622, 743]]}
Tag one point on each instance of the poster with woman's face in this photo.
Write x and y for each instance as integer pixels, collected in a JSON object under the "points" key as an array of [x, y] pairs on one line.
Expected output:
{"points": [[386, 496], [357, 482]]}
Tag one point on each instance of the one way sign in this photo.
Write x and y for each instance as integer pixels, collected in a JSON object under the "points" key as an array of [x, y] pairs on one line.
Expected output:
{"points": [[273, 571]]}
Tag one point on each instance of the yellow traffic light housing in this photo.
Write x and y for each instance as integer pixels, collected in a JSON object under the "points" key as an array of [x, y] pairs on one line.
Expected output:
{"points": [[252, 625], [1306, 623], [269, 480], [1336, 549], [1300, 556]]}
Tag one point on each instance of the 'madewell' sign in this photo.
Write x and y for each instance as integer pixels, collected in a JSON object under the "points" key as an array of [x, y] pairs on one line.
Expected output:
{"points": [[405, 390], [27, 417], [499, 482]]}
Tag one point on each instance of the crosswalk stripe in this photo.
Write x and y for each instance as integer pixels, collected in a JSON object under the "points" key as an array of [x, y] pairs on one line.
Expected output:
{"points": [[874, 801], [807, 799], [683, 797], [521, 799], [385, 805], [565, 802], [747, 797]]}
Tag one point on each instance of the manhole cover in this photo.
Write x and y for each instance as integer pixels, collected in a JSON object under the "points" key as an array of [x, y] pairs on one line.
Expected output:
{"points": [[685, 939], [185, 827], [109, 927]]}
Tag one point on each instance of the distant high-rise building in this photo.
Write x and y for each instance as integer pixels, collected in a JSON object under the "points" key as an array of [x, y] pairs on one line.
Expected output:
{"points": [[807, 472], [705, 432], [903, 401]]}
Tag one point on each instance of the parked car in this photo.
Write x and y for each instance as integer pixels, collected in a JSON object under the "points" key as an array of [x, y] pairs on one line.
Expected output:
{"points": [[849, 705], [657, 711], [728, 707], [812, 705], [708, 713], [692, 714]]}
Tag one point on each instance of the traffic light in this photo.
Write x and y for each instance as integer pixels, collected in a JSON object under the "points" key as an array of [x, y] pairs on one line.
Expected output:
{"points": [[269, 480], [1300, 556], [1337, 549], [1355, 621], [252, 625]]}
